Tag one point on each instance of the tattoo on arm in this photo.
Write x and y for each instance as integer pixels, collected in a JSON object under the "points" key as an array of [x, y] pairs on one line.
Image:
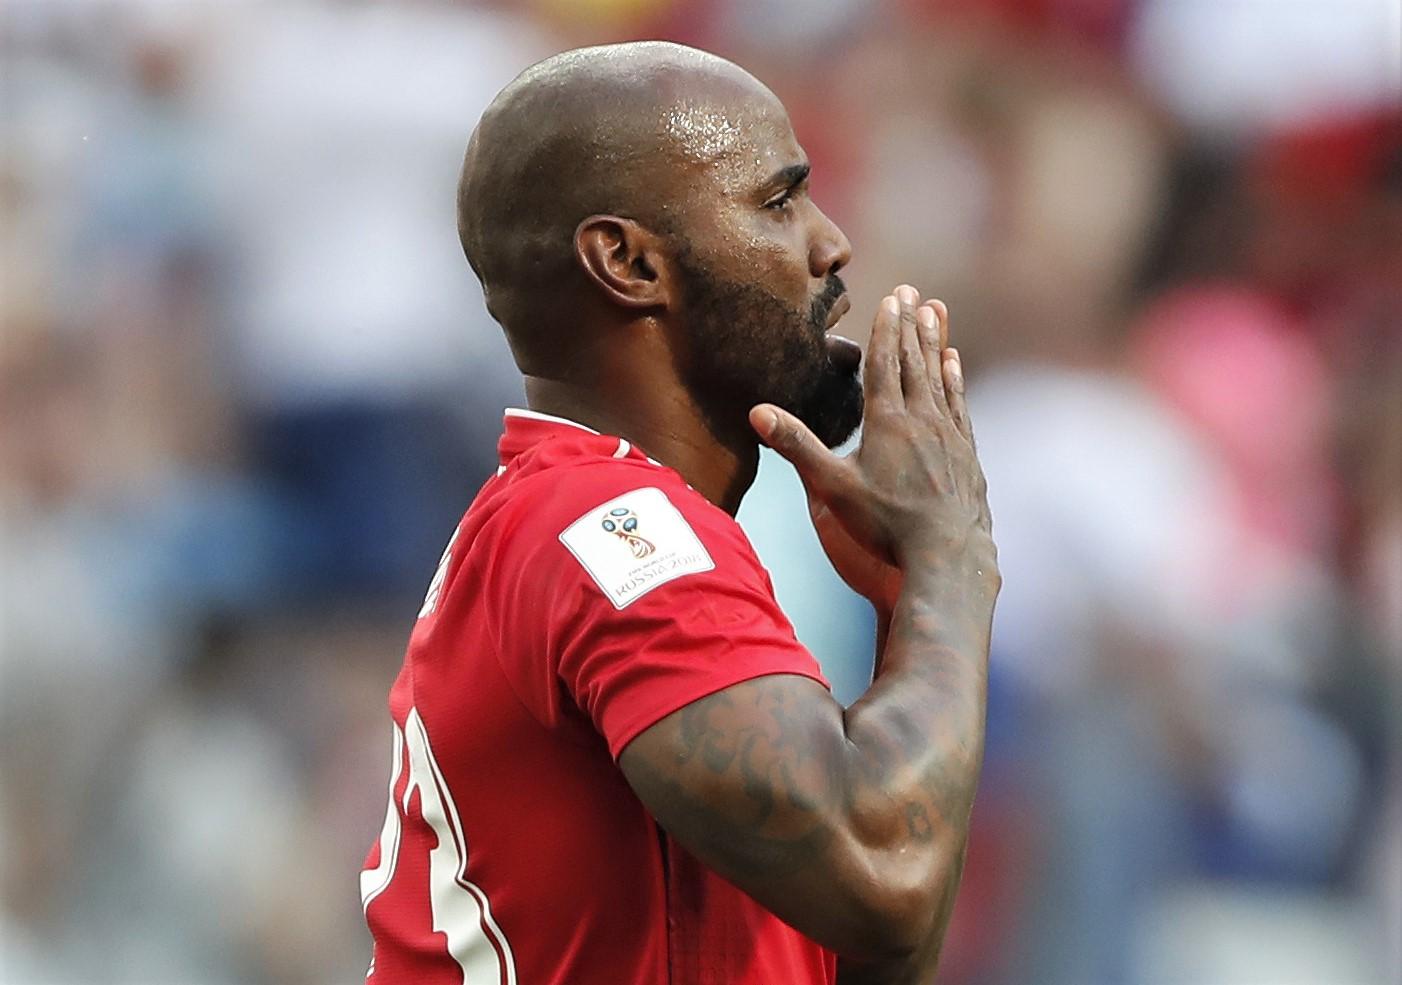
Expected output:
{"points": [[787, 794], [741, 776], [917, 822]]}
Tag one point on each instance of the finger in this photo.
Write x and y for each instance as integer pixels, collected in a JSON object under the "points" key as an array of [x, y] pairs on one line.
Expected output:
{"points": [[942, 314], [953, 372], [915, 377], [816, 465], [882, 363], [927, 322]]}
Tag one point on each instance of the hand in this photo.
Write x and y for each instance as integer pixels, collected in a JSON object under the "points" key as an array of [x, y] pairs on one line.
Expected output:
{"points": [[864, 572], [913, 492]]}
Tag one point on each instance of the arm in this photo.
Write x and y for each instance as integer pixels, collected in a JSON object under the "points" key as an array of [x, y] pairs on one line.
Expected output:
{"points": [[850, 824]]}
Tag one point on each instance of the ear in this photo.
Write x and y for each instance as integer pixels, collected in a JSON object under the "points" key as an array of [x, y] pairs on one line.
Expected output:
{"points": [[625, 260]]}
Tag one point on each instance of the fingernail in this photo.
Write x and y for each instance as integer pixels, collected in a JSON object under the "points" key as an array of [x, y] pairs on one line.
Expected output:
{"points": [[890, 305], [956, 370], [926, 317], [768, 421], [907, 294]]}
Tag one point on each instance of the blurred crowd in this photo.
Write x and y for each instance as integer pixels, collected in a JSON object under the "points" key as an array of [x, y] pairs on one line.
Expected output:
{"points": [[247, 386]]}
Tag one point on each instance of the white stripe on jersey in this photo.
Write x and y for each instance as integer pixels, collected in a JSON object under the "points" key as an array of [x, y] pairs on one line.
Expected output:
{"points": [[373, 881], [536, 415], [460, 908]]}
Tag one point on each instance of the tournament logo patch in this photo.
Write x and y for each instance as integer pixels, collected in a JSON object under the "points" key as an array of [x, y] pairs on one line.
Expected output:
{"points": [[623, 524], [634, 543]]}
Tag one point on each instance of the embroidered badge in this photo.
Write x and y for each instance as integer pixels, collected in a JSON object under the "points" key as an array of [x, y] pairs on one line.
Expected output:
{"points": [[634, 543]]}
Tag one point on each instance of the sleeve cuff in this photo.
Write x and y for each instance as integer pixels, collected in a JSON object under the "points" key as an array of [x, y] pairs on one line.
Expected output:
{"points": [[626, 725]]}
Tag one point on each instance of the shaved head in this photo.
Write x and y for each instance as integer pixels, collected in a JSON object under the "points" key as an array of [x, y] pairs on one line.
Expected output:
{"points": [[638, 216], [604, 130]]}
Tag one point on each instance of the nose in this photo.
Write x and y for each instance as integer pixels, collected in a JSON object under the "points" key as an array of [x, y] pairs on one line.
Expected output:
{"points": [[831, 250]]}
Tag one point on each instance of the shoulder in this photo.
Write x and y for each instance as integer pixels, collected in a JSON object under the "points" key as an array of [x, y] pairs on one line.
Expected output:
{"points": [[550, 502], [626, 526]]}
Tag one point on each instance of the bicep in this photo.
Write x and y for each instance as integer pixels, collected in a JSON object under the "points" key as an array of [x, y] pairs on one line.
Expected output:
{"points": [[755, 781]]}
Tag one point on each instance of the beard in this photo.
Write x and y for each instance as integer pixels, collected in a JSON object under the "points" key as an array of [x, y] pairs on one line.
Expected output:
{"points": [[746, 346]]}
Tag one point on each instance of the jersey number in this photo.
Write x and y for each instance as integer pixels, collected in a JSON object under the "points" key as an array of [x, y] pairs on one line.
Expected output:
{"points": [[435, 587], [460, 908]]}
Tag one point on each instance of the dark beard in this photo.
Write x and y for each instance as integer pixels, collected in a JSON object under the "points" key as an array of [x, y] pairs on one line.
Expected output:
{"points": [[747, 346]]}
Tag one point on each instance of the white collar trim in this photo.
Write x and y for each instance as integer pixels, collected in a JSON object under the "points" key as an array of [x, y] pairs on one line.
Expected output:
{"points": [[535, 415]]}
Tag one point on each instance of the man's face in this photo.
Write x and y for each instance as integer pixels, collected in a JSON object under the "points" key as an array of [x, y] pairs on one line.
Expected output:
{"points": [[758, 265]]}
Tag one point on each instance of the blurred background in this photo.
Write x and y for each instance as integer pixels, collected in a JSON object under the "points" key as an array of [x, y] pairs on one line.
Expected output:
{"points": [[247, 386]]}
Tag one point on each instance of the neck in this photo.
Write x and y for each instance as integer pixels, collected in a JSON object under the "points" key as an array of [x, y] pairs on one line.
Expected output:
{"points": [[665, 423]]}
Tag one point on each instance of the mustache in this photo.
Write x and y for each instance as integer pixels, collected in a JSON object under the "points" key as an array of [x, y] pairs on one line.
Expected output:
{"points": [[833, 289]]}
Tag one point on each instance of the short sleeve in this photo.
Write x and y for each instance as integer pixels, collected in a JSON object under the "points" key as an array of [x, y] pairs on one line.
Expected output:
{"points": [[656, 599]]}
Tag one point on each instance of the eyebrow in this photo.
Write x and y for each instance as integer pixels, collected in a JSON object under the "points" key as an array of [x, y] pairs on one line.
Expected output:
{"points": [[788, 177]]}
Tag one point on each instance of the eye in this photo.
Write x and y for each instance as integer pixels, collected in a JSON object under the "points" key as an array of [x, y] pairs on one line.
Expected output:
{"points": [[782, 202], [630, 524], [608, 525]]}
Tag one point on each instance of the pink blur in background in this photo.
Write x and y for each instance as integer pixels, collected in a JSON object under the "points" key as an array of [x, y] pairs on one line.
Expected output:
{"points": [[247, 386]]}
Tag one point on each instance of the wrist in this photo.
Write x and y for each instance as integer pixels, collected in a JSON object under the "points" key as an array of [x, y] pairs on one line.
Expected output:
{"points": [[959, 595], [973, 561]]}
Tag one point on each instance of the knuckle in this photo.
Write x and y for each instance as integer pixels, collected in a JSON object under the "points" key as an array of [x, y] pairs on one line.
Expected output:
{"points": [[794, 439], [878, 411], [785, 434], [927, 415]]}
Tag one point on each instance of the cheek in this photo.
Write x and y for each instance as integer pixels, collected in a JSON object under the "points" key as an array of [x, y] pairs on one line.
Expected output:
{"points": [[761, 247], [781, 268]]}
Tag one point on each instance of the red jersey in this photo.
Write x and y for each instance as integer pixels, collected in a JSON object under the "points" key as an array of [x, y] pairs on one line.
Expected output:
{"points": [[587, 593]]}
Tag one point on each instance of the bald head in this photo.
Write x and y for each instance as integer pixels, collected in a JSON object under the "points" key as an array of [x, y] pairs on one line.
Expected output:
{"points": [[639, 216], [617, 130]]}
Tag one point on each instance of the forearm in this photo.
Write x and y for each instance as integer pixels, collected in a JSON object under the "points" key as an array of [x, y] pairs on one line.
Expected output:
{"points": [[916, 968], [919, 734], [922, 719]]}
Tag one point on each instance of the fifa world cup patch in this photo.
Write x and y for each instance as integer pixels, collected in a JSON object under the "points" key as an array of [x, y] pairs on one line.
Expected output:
{"points": [[634, 543]]}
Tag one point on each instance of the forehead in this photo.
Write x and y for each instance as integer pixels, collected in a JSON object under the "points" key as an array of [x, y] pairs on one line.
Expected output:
{"points": [[736, 138]]}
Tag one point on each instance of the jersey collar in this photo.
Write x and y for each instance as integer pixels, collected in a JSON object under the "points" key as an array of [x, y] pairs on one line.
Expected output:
{"points": [[524, 428], [526, 414]]}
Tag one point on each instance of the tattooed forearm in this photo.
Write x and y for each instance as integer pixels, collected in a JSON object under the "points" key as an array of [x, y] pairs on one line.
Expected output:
{"points": [[744, 775], [928, 703], [850, 823], [917, 822]]}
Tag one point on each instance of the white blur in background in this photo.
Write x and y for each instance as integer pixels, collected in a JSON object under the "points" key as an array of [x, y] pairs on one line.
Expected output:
{"points": [[247, 386]]}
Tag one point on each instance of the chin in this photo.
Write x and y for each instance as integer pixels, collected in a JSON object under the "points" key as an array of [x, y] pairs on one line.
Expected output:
{"points": [[834, 411]]}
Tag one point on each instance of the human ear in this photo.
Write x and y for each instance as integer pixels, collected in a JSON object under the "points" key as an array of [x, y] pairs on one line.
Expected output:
{"points": [[623, 259]]}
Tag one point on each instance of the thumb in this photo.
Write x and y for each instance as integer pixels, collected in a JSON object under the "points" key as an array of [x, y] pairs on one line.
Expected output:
{"points": [[790, 437]]}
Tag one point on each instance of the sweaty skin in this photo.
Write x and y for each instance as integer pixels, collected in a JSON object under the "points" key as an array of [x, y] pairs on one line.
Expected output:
{"points": [[589, 185], [639, 217]]}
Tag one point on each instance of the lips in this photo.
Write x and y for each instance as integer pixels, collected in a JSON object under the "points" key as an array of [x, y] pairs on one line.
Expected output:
{"points": [[842, 352], [843, 305]]}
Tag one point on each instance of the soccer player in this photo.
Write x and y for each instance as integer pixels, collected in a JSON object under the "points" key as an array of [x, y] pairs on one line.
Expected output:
{"points": [[613, 763]]}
